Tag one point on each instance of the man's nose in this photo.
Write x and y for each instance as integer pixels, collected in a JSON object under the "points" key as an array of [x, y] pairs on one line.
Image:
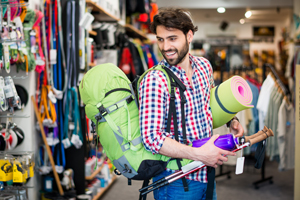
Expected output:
{"points": [[167, 46]]}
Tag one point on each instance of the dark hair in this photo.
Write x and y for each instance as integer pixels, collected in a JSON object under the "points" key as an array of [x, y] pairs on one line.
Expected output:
{"points": [[173, 18]]}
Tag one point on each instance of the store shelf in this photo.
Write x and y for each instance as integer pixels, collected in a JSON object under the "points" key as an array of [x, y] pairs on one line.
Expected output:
{"points": [[97, 171], [134, 32], [97, 196], [94, 33], [106, 16]]}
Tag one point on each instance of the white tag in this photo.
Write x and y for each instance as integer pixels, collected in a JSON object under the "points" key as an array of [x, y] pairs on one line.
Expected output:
{"points": [[40, 62], [48, 184], [76, 141], [18, 22], [240, 165], [50, 138], [13, 35], [52, 97], [58, 94], [86, 20], [53, 55], [24, 50], [55, 141], [14, 46], [52, 125], [47, 122], [8, 91], [59, 169], [66, 143], [33, 49], [71, 126], [44, 170]]}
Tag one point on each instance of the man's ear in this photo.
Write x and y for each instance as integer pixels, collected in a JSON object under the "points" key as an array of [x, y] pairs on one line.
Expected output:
{"points": [[190, 36]]}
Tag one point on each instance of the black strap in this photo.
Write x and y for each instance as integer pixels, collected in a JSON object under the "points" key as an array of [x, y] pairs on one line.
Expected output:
{"points": [[145, 184], [117, 89], [172, 111], [210, 183]]}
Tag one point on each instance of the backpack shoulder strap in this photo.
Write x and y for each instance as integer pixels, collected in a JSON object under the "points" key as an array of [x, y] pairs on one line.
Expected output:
{"points": [[156, 67]]}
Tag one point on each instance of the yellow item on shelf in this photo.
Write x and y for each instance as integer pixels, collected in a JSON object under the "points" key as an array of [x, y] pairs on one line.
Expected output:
{"points": [[18, 173], [31, 169], [6, 171]]}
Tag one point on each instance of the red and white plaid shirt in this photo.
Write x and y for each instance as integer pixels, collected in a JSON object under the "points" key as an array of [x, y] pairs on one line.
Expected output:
{"points": [[154, 101]]}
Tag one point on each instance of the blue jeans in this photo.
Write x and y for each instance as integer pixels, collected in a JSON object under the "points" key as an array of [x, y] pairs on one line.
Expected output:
{"points": [[175, 191]]}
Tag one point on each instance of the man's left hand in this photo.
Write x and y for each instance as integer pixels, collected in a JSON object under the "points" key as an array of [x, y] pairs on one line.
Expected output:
{"points": [[236, 128]]}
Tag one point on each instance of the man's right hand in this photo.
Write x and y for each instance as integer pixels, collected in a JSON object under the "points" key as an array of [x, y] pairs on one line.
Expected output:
{"points": [[211, 155]]}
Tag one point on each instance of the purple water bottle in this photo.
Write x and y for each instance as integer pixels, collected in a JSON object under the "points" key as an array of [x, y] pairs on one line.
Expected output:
{"points": [[226, 142]]}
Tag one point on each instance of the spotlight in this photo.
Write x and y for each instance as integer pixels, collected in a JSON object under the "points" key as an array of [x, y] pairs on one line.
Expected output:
{"points": [[248, 14], [221, 10], [242, 21]]}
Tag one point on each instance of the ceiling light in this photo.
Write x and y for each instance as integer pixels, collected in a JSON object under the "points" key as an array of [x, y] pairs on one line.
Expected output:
{"points": [[242, 21], [248, 14], [221, 10]]}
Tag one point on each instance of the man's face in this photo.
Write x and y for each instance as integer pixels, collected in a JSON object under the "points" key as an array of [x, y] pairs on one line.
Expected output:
{"points": [[172, 43]]}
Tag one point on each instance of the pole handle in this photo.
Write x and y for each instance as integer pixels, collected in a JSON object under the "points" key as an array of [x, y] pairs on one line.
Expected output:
{"points": [[261, 137]]}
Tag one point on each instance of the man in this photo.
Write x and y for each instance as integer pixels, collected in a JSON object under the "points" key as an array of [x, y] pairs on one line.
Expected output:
{"points": [[174, 31]]}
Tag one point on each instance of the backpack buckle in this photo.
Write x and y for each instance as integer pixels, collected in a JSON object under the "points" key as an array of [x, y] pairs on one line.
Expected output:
{"points": [[102, 111]]}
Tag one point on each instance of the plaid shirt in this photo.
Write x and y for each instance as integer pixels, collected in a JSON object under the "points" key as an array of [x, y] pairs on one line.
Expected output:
{"points": [[154, 101]]}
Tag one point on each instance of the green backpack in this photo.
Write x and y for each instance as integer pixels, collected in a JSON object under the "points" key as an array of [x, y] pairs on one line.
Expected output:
{"points": [[111, 104]]}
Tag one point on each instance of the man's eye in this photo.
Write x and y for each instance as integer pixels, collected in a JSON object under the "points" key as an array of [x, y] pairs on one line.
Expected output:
{"points": [[172, 39], [160, 40]]}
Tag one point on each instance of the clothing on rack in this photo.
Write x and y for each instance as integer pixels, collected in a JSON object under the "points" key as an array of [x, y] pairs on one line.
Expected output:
{"points": [[286, 136], [279, 116], [263, 100]]}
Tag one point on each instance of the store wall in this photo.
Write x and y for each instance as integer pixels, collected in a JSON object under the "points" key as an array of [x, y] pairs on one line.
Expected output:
{"points": [[27, 123], [242, 31]]}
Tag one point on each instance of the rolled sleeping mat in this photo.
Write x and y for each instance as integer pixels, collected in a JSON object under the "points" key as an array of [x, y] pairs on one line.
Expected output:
{"points": [[229, 98]]}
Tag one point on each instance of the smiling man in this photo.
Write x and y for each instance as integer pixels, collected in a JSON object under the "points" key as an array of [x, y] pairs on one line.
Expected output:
{"points": [[174, 31]]}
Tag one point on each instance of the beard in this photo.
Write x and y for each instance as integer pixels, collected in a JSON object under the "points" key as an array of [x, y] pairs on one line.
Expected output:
{"points": [[181, 54]]}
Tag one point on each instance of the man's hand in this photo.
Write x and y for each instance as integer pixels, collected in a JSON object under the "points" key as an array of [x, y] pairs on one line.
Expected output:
{"points": [[211, 155], [236, 128]]}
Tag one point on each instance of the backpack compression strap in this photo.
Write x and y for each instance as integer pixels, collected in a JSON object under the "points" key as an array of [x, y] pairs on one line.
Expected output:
{"points": [[103, 116]]}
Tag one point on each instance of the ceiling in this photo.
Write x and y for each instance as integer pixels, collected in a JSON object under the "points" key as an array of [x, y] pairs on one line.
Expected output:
{"points": [[262, 10]]}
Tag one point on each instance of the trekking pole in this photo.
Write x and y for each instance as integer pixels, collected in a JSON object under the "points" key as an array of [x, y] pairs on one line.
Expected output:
{"points": [[249, 140], [242, 140]]}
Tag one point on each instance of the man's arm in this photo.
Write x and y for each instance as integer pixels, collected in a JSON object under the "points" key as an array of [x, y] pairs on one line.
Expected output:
{"points": [[209, 154]]}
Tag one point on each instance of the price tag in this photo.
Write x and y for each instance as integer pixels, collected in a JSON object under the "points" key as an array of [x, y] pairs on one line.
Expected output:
{"points": [[52, 97], [58, 94], [49, 184], [86, 20], [50, 140], [53, 55], [71, 126], [76, 141], [8, 91], [44, 170], [59, 169], [66, 143], [13, 35], [240, 164]]}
